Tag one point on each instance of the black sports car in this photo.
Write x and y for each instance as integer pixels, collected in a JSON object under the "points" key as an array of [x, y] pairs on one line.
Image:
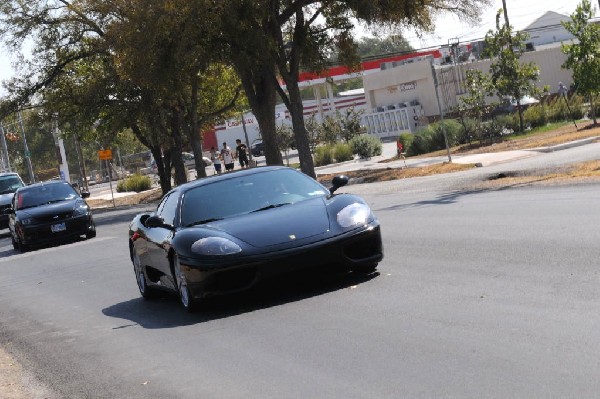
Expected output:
{"points": [[224, 233], [49, 212]]}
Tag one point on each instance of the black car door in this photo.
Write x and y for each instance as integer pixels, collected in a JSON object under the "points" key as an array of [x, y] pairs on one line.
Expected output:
{"points": [[159, 238]]}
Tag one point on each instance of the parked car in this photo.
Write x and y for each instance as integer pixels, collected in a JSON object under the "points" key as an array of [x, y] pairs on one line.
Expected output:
{"points": [[273, 220], [189, 161], [9, 183], [46, 213], [257, 148], [509, 104]]}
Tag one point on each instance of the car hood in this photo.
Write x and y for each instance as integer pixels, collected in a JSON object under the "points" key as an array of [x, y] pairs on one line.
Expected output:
{"points": [[294, 222], [5, 199], [49, 209]]}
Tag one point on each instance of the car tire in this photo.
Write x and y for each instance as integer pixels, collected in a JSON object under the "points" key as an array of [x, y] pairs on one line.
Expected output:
{"points": [[15, 244], [140, 278], [90, 234], [365, 269], [185, 295]]}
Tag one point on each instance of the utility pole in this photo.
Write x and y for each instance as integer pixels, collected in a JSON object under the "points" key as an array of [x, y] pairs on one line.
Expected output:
{"points": [[437, 96], [26, 150], [5, 158]]}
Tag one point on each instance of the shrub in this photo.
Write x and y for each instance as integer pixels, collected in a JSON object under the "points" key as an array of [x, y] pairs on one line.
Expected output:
{"points": [[421, 144], [366, 146], [431, 138], [135, 183], [323, 155], [406, 139], [535, 115], [342, 152]]}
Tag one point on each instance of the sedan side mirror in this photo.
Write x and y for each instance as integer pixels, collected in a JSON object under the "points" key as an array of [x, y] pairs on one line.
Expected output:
{"points": [[85, 194], [337, 182]]}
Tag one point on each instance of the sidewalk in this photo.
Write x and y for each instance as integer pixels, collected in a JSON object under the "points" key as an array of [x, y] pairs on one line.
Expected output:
{"points": [[384, 161]]}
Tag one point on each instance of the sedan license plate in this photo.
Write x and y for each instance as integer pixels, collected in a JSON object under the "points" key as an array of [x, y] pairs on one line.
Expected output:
{"points": [[55, 228]]}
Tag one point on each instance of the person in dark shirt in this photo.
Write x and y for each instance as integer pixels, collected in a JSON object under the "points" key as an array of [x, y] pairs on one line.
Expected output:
{"points": [[241, 153]]}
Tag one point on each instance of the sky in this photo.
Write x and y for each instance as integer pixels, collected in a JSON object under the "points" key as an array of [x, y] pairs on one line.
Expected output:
{"points": [[520, 14]]}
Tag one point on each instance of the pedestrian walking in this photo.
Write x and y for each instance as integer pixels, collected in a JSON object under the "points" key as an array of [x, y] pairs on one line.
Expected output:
{"points": [[227, 157], [215, 157], [241, 153]]}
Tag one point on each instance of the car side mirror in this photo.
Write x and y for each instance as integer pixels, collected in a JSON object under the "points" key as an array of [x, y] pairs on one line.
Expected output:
{"points": [[85, 194], [337, 182], [157, 221]]}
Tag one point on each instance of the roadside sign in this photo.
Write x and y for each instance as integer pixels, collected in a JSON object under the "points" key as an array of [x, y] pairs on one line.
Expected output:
{"points": [[105, 155]]}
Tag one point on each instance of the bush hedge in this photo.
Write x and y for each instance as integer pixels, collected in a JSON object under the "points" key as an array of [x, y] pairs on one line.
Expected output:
{"points": [[366, 146], [342, 152], [135, 183]]}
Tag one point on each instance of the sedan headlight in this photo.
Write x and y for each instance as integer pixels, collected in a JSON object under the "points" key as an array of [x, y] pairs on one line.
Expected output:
{"points": [[215, 246], [27, 221], [81, 209], [353, 215]]}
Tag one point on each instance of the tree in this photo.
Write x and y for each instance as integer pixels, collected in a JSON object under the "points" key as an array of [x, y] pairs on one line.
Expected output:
{"points": [[509, 77], [124, 65], [583, 57], [376, 46], [474, 103], [280, 36]]}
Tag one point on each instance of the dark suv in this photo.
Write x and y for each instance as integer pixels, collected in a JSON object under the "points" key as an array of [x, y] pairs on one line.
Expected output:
{"points": [[9, 183]]}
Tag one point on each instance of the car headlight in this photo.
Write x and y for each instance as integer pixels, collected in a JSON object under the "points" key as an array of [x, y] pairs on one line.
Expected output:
{"points": [[27, 221], [353, 215], [81, 209], [215, 246]]}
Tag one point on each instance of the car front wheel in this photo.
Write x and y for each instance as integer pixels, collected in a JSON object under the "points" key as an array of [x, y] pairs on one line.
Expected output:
{"points": [[140, 277], [185, 295]]}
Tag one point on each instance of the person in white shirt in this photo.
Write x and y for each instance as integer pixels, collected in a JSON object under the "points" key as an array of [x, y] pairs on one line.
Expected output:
{"points": [[215, 157], [227, 157]]}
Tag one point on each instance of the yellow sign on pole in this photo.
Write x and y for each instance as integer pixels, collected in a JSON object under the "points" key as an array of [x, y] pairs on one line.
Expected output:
{"points": [[105, 155]]}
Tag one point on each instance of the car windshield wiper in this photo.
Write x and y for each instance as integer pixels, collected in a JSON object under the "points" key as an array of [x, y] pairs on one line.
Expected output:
{"points": [[270, 207], [203, 222]]}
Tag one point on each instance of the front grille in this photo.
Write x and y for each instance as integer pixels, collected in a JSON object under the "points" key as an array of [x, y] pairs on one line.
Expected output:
{"points": [[54, 218]]}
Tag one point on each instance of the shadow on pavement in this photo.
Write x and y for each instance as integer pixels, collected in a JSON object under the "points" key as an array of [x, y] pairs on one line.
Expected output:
{"points": [[166, 311]]}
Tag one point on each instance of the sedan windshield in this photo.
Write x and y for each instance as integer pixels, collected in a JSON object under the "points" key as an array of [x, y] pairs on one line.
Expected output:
{"points": [[9, 184], [43, 194], [245, 194]]}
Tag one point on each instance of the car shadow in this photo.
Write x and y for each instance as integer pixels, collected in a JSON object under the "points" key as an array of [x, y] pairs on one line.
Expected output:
{"points": [[167, 312]]}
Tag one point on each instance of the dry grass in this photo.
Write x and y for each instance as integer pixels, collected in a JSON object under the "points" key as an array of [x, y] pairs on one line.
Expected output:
{"points": [[376, 175], [561, 135], [587, 171]]}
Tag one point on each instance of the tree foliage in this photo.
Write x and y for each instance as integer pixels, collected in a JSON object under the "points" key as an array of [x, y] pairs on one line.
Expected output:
{"points": [[583, 57], [509, 77]]}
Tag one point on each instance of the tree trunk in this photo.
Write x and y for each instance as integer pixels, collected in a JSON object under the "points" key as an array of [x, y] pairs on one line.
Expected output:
{"points": [[194, 134], [520, 109], [296, 109], [262, 96], [593, 110], [176, 158]]}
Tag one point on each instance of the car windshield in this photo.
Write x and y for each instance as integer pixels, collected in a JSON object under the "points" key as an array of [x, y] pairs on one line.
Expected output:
{"points": [[43, 194], [9, 184], [248, 193]]}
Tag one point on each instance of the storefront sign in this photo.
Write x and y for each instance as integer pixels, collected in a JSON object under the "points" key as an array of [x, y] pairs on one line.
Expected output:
{"points": [[408, 86]]}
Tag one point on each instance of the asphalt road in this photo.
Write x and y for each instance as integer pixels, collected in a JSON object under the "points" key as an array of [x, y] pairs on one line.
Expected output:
{"points": [[481, 294]]}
